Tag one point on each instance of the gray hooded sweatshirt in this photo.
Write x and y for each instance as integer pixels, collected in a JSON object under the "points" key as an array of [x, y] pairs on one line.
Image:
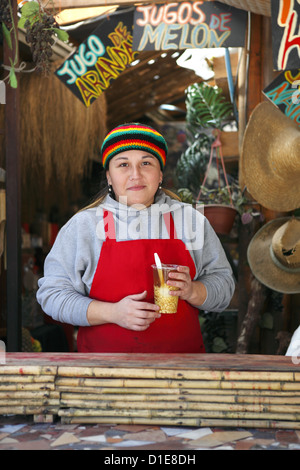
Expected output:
{"points": [[71, 264]]}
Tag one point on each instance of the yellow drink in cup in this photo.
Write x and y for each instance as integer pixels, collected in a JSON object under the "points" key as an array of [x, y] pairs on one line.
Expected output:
{"points": [[167, 303]]}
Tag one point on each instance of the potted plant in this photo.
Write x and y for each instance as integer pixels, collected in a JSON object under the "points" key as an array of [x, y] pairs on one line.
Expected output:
{"points": [[218, 200], [207, 114]]}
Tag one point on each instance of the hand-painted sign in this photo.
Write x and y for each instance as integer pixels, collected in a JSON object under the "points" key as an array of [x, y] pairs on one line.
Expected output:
{"points": [[188, 25], [99, 59], [284, 92], [285, 34]]}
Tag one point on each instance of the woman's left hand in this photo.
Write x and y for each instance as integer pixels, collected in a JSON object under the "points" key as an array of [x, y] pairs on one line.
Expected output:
{"points": [[193, 292], [182, 281]]}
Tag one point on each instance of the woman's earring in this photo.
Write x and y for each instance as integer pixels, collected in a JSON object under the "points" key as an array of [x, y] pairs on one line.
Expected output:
{"points": [[159, 187], [109, 188]]}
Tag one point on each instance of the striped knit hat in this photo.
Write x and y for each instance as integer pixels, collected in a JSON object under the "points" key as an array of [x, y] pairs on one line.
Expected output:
{"points": [[134, 136]]}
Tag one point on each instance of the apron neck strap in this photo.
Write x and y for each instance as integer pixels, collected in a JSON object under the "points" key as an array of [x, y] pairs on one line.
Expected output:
{"points": [[109, 225], [169, 222]]}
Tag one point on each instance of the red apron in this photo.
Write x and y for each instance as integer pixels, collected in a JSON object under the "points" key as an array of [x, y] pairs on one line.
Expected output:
{"points": [[124, 268]]}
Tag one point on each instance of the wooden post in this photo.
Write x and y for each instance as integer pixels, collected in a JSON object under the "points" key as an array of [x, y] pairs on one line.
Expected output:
{"points": [[255, 96], [251, 292], [255, 305], [13, 202]]}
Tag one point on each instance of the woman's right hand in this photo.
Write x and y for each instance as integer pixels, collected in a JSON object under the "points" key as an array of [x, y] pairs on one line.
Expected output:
{"points": [[133, 313]]}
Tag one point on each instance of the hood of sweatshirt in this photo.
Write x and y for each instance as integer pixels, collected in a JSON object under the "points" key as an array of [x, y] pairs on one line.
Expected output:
{"points": [[133, 222], [163, 204]]}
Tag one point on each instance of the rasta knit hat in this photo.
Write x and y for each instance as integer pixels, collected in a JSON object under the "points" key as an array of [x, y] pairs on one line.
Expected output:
{"points": [[134, 136]]}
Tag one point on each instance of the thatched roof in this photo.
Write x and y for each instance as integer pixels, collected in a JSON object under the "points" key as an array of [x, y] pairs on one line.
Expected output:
{"points": [[58, 133], [59, 137]]}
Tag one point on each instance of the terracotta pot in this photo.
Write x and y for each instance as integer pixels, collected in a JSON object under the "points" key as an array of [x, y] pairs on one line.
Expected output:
{"points": [[221, 217]]}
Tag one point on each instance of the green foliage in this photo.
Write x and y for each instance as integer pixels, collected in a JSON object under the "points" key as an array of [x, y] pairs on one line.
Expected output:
{"points": [[30, 10], [41, 29], [6, 35], [191, 166], [32, 13], [206, 107], [12, 75], [186, 195], [239, 200], [9, 32], [62, 35], [222, 196], [215, 196]]}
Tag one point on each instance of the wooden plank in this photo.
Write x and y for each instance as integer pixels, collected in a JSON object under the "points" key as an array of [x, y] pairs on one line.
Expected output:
{"points": [[29, 410], [179, 393], [231, 423], [28, 369], [29, 402], [26, 378], [196, 406], [261, 7], [29, 395], [199, 398], [70, 4], [162, 413], [74, 15], [155, 373], [214, 362], [196, 384], [26, 386]]}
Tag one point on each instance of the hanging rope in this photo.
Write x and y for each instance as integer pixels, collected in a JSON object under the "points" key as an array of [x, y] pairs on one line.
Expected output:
{"points": [[217, 144]]}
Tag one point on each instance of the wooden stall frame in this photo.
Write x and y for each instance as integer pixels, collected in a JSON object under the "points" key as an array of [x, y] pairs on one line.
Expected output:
{"points": [[162, 389]]}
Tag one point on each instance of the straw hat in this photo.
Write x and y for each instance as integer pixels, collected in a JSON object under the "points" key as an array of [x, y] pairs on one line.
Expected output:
{"points": [[274, 255], [270, 158]]}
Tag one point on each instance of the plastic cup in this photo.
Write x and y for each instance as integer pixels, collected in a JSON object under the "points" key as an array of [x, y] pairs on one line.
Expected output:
{"points": [[168, 303]]}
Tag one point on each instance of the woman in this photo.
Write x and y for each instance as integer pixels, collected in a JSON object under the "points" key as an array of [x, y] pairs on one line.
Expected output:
{"points": [[98, 274]]}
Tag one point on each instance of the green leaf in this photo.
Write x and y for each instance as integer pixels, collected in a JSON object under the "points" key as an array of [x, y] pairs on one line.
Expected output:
{"points": [[12, 78], [267, 321], [6, 35], [21, 22], [206, 106], [62, 35], [30, 9], [219, 345]]}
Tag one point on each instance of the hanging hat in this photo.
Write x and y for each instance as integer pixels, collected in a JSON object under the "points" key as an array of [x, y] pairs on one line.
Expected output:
{"points": [[270, 159], [134, 136], [274, 255]]}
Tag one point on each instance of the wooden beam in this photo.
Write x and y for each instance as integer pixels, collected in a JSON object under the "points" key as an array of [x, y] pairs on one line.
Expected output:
{"points": [[261, 7], [255, 65], [66, 4], [13, 205], [80, 14]]}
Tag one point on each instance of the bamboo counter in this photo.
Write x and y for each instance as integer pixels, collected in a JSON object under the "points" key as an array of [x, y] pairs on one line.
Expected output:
{"points": [[225, 390]]}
